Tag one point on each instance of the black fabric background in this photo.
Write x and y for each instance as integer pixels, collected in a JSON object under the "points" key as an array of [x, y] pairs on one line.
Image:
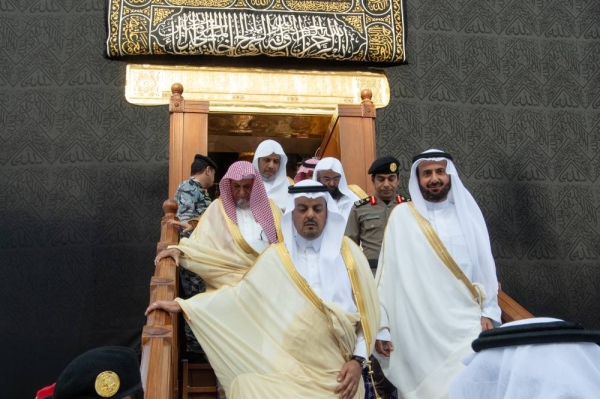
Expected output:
{"points": [[511, 88]]}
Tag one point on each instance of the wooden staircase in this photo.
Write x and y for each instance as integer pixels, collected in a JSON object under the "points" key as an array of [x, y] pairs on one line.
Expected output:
{"points": [[199, 381], [351, 138]]}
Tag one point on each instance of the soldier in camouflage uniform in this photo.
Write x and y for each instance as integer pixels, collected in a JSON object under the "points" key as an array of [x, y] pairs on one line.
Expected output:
{"points": [[192, 200]]}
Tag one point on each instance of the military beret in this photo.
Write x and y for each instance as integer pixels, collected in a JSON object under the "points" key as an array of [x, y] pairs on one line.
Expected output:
{"points": [[210, 162], [106, 372], [384, 165]]}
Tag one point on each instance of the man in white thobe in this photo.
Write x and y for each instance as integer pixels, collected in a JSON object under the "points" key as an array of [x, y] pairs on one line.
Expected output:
{"points": [[302, 320], [436, 280], [329, 171], [537, 358], [270, 161]]}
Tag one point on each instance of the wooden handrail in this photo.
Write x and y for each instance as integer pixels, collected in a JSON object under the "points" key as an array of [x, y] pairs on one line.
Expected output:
{"points": [[511, 310], [160, 356]]}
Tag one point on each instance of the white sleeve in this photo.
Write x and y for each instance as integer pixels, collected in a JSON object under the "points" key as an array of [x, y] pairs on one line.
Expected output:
{"points": [[360, 349], [384, 327], [492, 310]]}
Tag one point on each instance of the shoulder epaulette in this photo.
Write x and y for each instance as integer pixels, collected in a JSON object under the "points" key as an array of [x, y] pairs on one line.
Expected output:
{"points": [[361, 202], [400, 199]]}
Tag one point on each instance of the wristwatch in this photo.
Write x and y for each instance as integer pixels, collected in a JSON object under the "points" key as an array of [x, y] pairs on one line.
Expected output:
{"points": [[361, 360]]}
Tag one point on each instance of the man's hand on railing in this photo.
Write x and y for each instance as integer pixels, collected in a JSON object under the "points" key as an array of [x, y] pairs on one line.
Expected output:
{"points": [[185, 226], [172, 252], [167, 306]]}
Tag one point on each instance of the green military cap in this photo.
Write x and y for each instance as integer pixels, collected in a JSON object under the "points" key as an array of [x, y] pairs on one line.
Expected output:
{"points": [[384, 165]]}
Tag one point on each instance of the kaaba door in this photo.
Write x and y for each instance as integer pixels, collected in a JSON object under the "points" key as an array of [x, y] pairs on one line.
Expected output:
{"points": [[348, 134]]}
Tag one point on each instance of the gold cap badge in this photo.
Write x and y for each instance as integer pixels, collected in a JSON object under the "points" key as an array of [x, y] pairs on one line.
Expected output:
{"points": [[393, 167], [107, 384]]}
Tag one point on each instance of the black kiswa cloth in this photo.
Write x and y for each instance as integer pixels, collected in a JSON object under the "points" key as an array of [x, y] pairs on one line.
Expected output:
{"points": [[535, 333]]}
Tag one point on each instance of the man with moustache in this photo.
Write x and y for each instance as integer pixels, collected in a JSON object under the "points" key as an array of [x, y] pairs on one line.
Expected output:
{"points": [[368, 217], [270, 161], [436, 280], [329, 171], [302, 320], [366, 225], [233, 230]]}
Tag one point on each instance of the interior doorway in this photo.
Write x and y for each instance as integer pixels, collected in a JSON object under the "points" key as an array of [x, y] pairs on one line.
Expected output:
{"points": [[234, 137]]}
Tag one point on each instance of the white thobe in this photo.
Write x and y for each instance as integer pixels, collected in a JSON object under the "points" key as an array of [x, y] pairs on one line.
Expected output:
{"points": [[307, 264], [444, 220], [252, 232], [344, 204]]}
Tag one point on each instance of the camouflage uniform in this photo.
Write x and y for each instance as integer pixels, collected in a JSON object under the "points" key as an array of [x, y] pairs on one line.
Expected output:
{"points": [[192, 200]]}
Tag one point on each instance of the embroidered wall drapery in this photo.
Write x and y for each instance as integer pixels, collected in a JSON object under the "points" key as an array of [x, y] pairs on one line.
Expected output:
{"points": [[354, 30]]}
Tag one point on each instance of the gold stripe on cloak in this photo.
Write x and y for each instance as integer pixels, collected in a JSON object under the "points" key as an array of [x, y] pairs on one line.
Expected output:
{"points": [[357, 190], [308, 292], [382, 250], [297, 277], [441, 251], [277, 219], [359, 298]]}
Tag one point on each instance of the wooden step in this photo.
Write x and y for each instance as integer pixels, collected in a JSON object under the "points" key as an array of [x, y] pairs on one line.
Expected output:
{"points": [[199, 381]]}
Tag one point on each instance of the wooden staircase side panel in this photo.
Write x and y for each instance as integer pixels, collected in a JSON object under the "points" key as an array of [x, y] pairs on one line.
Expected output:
{"points": [[511, 310], [160, 357], [351, 139], [188, 135]]}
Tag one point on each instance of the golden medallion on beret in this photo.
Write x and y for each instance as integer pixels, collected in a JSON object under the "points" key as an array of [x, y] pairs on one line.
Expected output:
{"points": [[393, 167], [107, 384]]}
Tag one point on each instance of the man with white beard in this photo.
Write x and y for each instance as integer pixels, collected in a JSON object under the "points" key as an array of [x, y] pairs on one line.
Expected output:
{"points": [[301, 322], [233, 230]]}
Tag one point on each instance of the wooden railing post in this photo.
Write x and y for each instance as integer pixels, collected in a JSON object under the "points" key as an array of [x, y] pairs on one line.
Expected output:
{"points": [[188, 135], [351, 139], [511, 310], [159, 337]]}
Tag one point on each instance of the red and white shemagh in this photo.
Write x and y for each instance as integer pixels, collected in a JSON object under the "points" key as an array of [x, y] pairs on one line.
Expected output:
{"points": [[303, 170], [259, 202]]}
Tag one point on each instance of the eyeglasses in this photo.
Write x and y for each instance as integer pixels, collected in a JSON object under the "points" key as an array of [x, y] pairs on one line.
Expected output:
{"points": [[327, 180]]}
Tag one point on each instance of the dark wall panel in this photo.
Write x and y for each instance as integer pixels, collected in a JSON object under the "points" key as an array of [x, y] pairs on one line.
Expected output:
{"points": [[82, 178], [512, 90]]}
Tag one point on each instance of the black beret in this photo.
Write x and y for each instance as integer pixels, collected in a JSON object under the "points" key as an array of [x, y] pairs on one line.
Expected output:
{"points": [[384, 165], [106, 372], [210, 162]]}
